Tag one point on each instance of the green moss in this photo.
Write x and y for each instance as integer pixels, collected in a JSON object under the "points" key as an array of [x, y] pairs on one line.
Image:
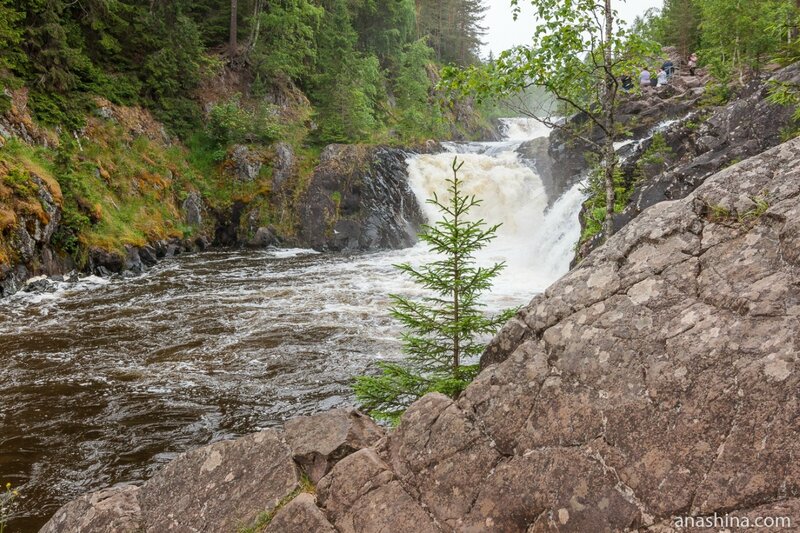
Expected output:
{"points": [[263, 519], [718, 213], [721, 214]]}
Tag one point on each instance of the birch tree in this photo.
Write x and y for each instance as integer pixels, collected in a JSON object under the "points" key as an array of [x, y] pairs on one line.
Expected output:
{"points": [[578, 53]]}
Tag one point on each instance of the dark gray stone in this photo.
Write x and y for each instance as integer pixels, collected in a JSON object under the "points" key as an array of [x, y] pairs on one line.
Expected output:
{"points": [[359, 199], [193, 209]]}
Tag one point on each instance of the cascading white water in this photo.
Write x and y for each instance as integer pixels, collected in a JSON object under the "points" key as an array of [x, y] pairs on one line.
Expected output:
{"points": [[523, 129], [535, 241]]}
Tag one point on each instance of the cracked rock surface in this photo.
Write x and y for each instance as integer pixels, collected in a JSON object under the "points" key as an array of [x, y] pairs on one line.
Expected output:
{"points": [[659, 378]]}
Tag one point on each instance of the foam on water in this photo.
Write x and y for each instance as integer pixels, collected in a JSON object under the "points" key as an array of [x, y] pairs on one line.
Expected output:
{"points": [[523, 129]]}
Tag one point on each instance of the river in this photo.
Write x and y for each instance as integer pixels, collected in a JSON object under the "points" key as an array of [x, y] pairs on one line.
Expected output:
{"points": [[106, 380]]}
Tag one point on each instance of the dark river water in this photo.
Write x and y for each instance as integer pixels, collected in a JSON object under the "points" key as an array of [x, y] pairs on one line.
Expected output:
{"points": [[104, 381]]}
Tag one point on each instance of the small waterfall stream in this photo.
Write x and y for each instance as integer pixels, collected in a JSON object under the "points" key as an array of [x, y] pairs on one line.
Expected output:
{"points": [[106, 380]]}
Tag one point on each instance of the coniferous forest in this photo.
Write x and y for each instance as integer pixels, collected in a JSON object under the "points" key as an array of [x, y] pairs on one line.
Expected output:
{"points": [[367, 66], [182, 93]]}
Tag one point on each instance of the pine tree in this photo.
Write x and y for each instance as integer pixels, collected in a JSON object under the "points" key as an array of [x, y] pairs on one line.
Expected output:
{"points": [[443, 331], [681, 25], [10, 34], [418, 116], [348, 84]]}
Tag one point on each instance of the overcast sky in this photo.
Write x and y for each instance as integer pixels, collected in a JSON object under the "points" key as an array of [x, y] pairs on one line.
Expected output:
{"points": [[503, 32]]}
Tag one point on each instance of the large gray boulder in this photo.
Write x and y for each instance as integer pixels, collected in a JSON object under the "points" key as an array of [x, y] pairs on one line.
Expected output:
{"points": [[301, 515], [114, 509], [284, 165], [668, 358], [245, 163], [361, 495], [220, 487], [193, 209]]}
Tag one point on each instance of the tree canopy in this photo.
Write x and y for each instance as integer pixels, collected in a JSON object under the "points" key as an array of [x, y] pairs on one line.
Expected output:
{"points": [[348, 56]]}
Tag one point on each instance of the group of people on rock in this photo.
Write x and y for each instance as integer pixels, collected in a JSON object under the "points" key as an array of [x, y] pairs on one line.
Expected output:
{"points": [[663, 77]]}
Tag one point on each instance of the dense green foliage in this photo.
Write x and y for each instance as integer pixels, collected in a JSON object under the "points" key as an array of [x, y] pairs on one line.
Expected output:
{"points": [[348, 56], [444, 330], [453, 29], [732, 37]]}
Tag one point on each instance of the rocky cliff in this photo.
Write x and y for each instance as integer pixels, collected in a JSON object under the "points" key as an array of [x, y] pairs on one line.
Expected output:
{"points": [[659, 378], [359, 198], [700, 144], [124, 196]]}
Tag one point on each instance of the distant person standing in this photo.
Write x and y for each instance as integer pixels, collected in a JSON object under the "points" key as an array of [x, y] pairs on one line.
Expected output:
{"points": [[662, 77], [692, 64], [669, 68], [644, 78], [627, 83]]}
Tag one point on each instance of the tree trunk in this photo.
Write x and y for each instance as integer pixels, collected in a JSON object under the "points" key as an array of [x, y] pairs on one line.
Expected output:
{"points": [[609, 96], [794, 25], [256, 25], [456, 284], [234, 28]]}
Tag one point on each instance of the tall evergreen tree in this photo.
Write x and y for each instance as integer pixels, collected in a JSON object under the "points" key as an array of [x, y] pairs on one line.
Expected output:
{"points": [[285, 44], [453, 29], [444, 330], [681, 26], [740, 36], [419, 116], [10, 34], [348, 84]]}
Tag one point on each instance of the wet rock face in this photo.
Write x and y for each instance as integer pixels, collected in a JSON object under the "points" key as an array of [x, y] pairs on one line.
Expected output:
{"points": [[534, 153], [639, 114], [263, 238], [359, 199], [30, 239]]}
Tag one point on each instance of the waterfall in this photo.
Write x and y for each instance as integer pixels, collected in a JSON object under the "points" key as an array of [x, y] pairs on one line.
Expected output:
{"points": [[523, 129], [536, 242]]}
